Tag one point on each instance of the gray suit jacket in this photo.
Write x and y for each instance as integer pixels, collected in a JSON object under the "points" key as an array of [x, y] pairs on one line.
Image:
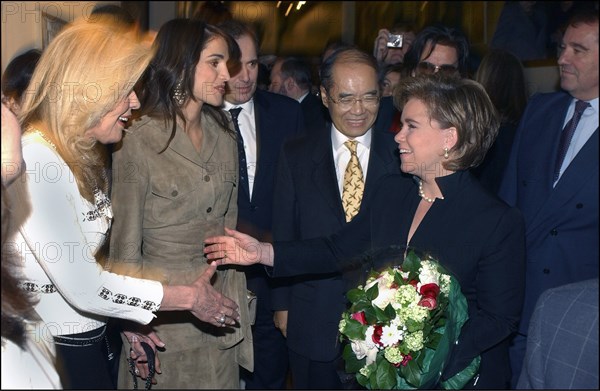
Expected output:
{"points": [[562, 346]]}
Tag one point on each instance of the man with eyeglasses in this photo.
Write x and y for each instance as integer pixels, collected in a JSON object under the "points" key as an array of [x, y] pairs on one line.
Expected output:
{"points": [[439, 48], [310, 202]]}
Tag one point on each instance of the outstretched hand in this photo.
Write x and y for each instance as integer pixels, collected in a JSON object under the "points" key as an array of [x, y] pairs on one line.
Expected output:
{"points": [[237, 249], [211, 306]]}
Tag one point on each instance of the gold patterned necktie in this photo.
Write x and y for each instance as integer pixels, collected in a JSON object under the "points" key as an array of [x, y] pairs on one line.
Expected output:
{"points": [[354, 184]]}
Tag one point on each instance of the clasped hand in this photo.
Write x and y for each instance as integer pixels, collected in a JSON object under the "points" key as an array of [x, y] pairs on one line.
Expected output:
{"points": [[237, 248]]}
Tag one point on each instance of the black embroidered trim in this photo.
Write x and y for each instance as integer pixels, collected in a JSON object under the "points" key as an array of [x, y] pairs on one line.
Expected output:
{"points": [[120, 298], [38, 288]]}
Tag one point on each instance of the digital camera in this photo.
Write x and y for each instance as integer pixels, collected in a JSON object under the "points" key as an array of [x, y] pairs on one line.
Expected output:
{"points": [[395, 41]]}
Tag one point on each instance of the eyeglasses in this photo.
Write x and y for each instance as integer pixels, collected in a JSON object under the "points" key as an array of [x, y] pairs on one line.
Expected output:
{"points": [[348, 102], [429, 69]]}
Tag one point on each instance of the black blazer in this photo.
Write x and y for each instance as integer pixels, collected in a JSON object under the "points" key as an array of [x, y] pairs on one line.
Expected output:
{"points": [[308, 205], [315, 117], [472, 233], [278, 118]]}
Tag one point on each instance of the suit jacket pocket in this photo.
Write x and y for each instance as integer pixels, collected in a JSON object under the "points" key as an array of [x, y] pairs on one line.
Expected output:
{"points": [[174, 198]]}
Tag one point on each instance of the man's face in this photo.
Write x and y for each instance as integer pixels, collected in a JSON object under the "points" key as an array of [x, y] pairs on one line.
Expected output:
{"points": [[578, 61], [353, 100], [442, 59], [276, 85], [241, 87]]}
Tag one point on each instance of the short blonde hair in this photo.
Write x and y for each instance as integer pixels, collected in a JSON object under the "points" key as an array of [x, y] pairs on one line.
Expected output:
{"points": [[87, 69]]}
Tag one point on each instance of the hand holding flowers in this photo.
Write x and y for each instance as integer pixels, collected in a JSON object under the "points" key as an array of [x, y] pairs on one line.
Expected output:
{"points": [[401, 326]]}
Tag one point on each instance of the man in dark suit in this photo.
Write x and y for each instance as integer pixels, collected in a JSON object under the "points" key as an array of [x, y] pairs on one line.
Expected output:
{"points": [[265, 121], [554, 182], [562, 344], [292, 77], [308, 204]]}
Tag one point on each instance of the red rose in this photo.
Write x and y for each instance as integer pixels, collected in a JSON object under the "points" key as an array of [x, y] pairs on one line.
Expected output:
{"points": [[360, 317], [405, 360], [413, 283], [428, 302], [430, 290], [377, 332]]}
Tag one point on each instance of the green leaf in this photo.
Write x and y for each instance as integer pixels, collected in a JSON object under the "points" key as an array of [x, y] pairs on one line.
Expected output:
{"points": [[412, 373], [354, 330], [353, 365], [385, 375], [434, 340], [373, 292], [412, 263], [370, 314], [390, 312], [355, 295]]}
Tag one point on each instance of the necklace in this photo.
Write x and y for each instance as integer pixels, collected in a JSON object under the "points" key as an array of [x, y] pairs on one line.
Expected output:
{"points": [[423, 196]]}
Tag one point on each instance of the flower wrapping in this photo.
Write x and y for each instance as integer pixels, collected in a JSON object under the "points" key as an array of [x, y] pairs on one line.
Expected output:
{"points": [[401, 326]]}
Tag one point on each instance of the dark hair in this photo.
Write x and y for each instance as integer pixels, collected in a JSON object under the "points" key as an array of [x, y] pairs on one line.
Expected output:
{"points": [[120, 15], [238, 29], [343, 55], [438, 35], [585, 13], [389, 68], [213, 12], [16, 304], [502, 76], [179, 44], [455, 102], [298, 70], [18, 73]]}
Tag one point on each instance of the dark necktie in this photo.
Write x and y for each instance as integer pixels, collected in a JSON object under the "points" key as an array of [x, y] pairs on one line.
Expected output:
{"points": [[235, 112], [567, 135]]}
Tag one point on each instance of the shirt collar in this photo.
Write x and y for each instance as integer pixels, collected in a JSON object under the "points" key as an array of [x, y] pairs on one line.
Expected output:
{"points": [[338, 139], [247, 107]]}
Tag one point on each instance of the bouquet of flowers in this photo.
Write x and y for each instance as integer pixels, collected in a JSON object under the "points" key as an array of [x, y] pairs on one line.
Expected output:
{"points": [[401, 326]]}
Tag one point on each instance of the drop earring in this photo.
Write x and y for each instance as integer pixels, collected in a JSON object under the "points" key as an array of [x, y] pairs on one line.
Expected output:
{"points": [[179, 94], [446, 153]]}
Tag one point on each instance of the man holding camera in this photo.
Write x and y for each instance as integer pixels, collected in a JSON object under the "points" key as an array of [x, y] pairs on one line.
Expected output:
{"points": [[391, 45]]}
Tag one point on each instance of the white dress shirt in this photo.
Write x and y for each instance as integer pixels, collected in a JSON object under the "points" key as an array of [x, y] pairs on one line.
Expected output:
{"points": [[247, 124], [341, 154]]}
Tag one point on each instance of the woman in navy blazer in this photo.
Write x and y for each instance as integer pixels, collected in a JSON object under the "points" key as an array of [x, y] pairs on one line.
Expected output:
{"points": [[447, 127]]}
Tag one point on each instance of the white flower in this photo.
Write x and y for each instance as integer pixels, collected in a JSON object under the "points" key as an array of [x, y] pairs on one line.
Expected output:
{"points": [[386, 296], [391, 335], [428, 274], [364, 348], [445, 284]]}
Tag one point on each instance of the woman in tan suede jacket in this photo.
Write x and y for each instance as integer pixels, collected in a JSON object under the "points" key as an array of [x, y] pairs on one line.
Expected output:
{"points": [[175, 183]]}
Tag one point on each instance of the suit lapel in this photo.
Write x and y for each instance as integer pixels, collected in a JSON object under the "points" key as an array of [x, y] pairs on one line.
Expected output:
{"points": [[577, 174], [263, 123], [324, 176], [182, 146]]}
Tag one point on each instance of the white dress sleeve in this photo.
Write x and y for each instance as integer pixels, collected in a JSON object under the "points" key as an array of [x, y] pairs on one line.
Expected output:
{"points": [[62, 236]]}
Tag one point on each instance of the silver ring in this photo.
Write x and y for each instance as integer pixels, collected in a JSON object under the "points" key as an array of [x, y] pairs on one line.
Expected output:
{"points": [[222, 319], [137, 371]]}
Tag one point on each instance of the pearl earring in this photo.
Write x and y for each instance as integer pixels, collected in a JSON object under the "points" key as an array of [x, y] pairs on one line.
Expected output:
{"points": [[446, 153]]}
